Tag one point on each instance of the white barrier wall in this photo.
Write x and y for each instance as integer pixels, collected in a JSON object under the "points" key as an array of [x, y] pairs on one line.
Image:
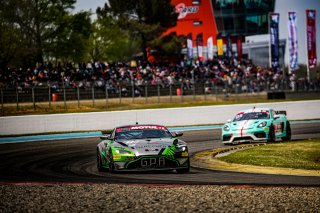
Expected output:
{"points": [[13, 125]]}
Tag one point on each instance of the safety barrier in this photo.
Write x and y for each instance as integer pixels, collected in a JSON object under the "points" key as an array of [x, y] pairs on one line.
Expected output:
{"points": [[14, 125]]}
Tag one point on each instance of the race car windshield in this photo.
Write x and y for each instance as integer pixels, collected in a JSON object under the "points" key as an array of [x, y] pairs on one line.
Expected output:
{"points": [[142, 134], [251, 116]]}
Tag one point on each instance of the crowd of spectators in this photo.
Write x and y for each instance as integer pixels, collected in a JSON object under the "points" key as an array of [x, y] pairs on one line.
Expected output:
{"points": [[229, 76]]}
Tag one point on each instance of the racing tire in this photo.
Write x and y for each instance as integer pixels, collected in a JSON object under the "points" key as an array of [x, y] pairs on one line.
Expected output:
{"points": [[111, 164], [272, 134], [99, 162], [184, 170], [288, 133]]}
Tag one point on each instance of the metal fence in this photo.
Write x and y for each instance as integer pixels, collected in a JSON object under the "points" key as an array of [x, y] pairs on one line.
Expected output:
{"points": [[53, 92]]}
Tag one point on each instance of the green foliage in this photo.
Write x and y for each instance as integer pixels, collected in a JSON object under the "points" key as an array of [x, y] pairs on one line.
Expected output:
{"points": [[72, 39], [143, 20], [43, 28], [108, 42]]}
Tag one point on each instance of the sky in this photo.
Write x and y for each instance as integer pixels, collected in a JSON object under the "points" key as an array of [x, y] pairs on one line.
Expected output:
{"points": [[89, 4], [282, 7]]}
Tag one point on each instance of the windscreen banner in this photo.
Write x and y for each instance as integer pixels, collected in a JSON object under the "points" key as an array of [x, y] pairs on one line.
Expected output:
{"points": [[274, 40], [311, 38], [293, 41]]}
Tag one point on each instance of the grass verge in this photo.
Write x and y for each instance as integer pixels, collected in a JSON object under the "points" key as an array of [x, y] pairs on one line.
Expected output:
{"points": [[295, 155]]}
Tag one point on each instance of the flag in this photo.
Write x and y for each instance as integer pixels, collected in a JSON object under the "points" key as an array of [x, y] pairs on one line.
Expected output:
{"points": [[190, 46], [274, 40], [239, 47], [293, 41], [229, 47], [311, 38], [199, 42], [220, 45], [210, 48]]}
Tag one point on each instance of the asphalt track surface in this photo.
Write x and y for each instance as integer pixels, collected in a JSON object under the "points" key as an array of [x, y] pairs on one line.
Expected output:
{"points": [[74, 161]]}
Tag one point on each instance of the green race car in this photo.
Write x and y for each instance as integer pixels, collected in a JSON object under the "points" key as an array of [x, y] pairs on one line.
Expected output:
{"points": [[256, 125], [142, 148]]}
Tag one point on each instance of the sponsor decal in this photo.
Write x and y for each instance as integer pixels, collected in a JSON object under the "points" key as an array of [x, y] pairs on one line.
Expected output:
{"points": [[153, 162], [184, 154], [147, 127], [184, 10], [239, 115]]}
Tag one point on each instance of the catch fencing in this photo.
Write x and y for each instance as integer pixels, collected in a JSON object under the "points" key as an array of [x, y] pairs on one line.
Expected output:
{"points": [[97, 90]]}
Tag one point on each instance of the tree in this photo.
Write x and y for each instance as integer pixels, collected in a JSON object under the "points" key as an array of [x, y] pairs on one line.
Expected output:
{"points": [[44, 26], [71, 42], [144, 20], [110, 43]]}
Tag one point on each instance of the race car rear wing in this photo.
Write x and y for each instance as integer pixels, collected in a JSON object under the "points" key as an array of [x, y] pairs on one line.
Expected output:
{"points": [[281, 112]]}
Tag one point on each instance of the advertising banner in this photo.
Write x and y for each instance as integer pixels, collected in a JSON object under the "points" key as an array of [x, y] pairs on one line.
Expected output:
{"points": [[293, 41], [210, 48], [274, 40], [190, 46], [239, 47], [229, 46], [311, 38], [199, 41]]}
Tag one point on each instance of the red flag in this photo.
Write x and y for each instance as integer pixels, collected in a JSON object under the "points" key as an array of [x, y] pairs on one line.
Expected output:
{"points": [[311, 38]]}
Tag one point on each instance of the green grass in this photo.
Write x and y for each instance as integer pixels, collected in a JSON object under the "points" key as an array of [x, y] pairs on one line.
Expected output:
{"points": [[297, 155]]}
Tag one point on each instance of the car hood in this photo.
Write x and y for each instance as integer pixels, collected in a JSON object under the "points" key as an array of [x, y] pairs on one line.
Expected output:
{"points": [[246, 124], [148, 146]]}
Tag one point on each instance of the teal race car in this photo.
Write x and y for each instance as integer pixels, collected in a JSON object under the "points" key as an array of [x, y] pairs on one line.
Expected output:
{"points": [[142, 148], [256, 125]]}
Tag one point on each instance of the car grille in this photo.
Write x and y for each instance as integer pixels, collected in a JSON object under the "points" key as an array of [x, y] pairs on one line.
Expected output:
{"points": [[243, 139], [260, 134], [226, 137]]}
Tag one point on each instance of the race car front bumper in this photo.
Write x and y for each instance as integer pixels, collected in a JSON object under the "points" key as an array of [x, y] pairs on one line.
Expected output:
{"points": [[237, 137], [148, 163]]}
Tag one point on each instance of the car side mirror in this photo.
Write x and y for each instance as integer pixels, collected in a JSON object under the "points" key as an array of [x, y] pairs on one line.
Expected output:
{"points": [[177, 134], [105, 137]]}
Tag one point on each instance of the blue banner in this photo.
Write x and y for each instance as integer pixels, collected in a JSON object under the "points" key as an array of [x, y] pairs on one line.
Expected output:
{"points": [[274, 40], [229, 46]]}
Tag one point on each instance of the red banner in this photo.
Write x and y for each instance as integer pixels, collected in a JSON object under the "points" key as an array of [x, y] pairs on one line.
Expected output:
{"points": [[239, 47], [311, 38]]}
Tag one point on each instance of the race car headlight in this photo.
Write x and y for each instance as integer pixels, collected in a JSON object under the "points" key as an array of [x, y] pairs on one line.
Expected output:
{"points": [[122, 151], [226, 128], [181, 149], [263, 124]]}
